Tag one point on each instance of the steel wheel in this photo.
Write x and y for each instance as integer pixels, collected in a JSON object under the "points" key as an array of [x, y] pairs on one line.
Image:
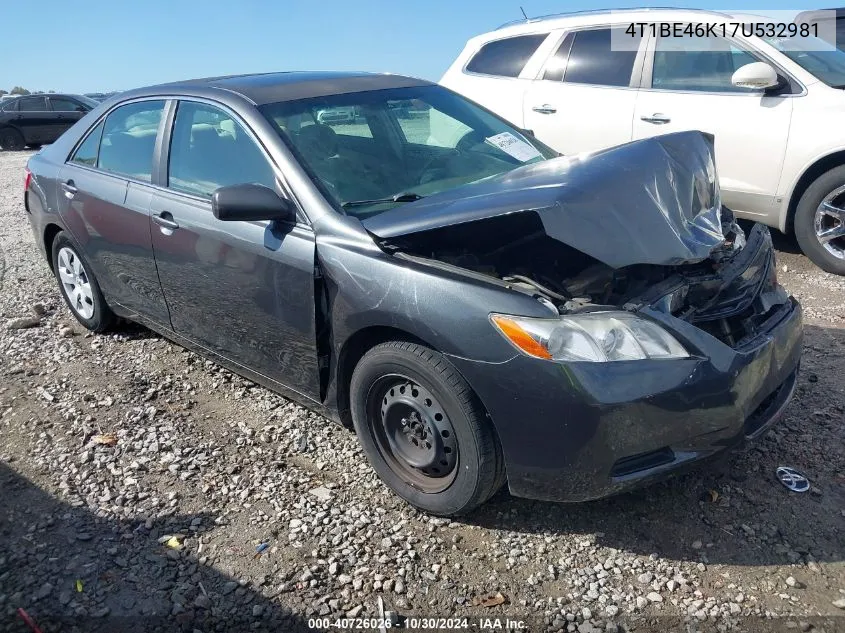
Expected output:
{"points": [[413, 433], [830, 223], [75, 283]]}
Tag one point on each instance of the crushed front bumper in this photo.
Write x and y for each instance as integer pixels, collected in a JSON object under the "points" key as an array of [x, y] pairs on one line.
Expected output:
{"points": [[580, 431]]}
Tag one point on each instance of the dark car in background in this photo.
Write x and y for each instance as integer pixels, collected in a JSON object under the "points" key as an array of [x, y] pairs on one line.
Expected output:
{"points": [[478, 308], [40, 118]]}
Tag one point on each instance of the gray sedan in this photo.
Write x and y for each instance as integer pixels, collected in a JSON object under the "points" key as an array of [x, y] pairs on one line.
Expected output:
{"points": [[479, 309]]}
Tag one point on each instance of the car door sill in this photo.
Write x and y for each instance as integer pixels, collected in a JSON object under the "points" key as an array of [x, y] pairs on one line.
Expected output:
{"points": [[234, 366]]}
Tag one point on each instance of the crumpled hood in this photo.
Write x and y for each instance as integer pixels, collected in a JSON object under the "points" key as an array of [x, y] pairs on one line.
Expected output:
{"points": [[653, 201]]}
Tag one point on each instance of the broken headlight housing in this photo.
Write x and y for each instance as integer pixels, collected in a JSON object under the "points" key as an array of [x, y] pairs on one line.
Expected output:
{"points": [[592, 337]]}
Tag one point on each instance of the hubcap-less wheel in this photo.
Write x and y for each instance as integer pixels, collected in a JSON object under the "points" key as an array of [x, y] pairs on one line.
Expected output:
{"points": [[413, 433], [830, 223], [75, 283]]}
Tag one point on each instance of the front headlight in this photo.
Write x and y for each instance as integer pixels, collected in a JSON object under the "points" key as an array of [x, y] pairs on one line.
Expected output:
{"points": [[595, 337]]}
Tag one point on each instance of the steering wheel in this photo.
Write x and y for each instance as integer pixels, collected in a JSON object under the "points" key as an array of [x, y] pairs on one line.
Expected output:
{"points": [[469, 140]]}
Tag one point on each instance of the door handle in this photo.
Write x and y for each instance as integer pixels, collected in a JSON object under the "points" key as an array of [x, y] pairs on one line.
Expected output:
{"points": [[165, 220], [657, 118], [70, 189], [545, 109]]}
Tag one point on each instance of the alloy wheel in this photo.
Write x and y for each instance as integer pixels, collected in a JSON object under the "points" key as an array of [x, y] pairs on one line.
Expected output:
{"points": [[413, 433], [75, 283], [829, 223]]}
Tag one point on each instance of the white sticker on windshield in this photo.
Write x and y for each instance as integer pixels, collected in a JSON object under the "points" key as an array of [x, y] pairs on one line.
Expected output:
{"points": [[514, 146]]}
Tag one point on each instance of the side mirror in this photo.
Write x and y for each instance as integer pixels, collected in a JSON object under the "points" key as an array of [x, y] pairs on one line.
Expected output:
{"points": [[756, 75], [245, 203]]}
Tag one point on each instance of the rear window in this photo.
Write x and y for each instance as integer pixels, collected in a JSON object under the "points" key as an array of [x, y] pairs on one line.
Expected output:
{"points": [[592, 61], [505, 58]]}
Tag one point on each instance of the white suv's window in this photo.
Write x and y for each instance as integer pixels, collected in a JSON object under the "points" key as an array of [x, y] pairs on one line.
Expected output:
{"points": [[697, 63], [586, 57], [507, 57]]}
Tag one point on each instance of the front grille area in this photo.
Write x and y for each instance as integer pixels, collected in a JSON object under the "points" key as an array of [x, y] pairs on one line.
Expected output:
{"points": [[749, 298]]}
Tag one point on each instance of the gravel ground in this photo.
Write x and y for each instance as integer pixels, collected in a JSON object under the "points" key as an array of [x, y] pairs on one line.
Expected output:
{"points": [[144, 488]]}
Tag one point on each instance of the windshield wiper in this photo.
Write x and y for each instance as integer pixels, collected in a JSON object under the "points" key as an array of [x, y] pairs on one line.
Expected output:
{"points": [[406, 196]]}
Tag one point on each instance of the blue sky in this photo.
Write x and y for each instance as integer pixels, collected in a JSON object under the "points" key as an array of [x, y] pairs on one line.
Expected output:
{"points": [[97, 45]]}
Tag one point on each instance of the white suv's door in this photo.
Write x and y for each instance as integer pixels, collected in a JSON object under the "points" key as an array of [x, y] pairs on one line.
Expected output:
{"points": [[687, 86], [584, 98]]}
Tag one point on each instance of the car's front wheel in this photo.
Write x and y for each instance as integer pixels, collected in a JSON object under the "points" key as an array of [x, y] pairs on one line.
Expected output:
{"points": [[820, 221], [78, 285], [424, 430]]}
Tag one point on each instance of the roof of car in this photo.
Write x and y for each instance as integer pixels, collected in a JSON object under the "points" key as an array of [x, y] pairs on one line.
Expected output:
{"points": [[287, 86], [636, 14]]}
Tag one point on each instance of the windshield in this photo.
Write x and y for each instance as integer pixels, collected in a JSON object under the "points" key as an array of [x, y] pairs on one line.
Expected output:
{"points": [[369, 151], [815, 56]]}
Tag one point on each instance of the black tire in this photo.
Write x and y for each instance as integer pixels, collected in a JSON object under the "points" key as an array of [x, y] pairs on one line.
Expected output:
{"points": [[478, 470], [11, 139], [101, 318], [805, 216]]}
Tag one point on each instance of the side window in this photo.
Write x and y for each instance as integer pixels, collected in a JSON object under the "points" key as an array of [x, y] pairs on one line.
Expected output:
{"points": [[129, 137], [505, 58], [86, 153], [593, 61], [32, 104], [209, 149], [697, 63], [66, 105]]}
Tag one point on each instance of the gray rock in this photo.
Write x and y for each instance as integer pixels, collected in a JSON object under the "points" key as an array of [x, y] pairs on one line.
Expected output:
{"points": [[23, 323]]}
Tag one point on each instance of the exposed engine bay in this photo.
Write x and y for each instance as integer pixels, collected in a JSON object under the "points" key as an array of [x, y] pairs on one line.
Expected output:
{"points": [[730, 294]]}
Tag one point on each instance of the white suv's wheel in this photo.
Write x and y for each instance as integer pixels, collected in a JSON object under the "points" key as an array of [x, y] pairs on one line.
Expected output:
{"points": [[820, 221]]}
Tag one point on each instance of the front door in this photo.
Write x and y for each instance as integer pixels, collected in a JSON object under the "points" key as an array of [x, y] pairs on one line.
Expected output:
{"points": [[105, 200], [66, 112], [244, 290], [584, 98], [687, 86]]}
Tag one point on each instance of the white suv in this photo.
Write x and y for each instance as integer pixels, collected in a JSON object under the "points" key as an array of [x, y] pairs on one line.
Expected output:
{"points": [[780, 145]]}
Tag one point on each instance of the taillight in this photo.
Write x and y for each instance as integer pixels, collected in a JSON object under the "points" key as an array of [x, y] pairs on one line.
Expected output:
{"points": [[27, 179]]}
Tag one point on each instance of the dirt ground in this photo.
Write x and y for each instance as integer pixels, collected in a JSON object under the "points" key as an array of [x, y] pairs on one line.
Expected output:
{"points": [[144, 488]]}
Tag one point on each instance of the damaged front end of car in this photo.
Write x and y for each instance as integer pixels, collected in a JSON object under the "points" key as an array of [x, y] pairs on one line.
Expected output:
{"points": [[636, 227]]}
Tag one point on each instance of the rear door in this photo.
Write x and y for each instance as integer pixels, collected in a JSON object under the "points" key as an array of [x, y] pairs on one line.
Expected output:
{"points": [[687, 86], [244, 290], [66, 112], [584, 97], [105, 201], [33, 119]]}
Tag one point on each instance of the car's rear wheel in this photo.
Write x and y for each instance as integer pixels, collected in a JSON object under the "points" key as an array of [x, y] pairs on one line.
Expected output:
{"points": [[78, 285], [11, 139], [820, 221], [424, 430]]}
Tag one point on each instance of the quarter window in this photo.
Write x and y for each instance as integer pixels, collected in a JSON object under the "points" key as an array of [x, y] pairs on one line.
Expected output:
{"points": [[86, 153], [129, 137], [210, 149], [592, 60], [507, 57], [32, 104], [698, 64]]}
